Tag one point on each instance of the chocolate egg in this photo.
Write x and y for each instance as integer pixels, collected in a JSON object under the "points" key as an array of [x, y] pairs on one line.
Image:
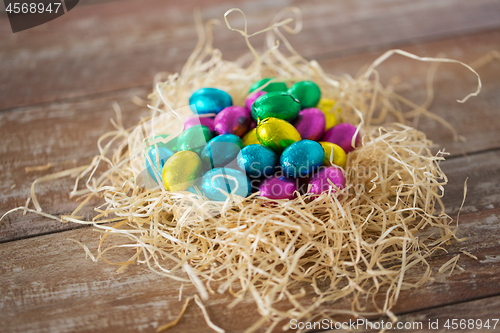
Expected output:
{"points": [[307, 92], [181, 170], [221, 150], [276, 134], [278, 188], [302, 158], [326, 106], [334, 155], [257, 161], [276, 104], [157, 155], [250, 138], [194, 138], [162, 140], [209, 100], [218, 183], [205, 121], [273, 86], [251, 99], [342, 135], [232, 120], [320, 182], [310, 123]]}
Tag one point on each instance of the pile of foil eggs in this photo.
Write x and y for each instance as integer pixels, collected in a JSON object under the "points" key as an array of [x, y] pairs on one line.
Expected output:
{"points": [[282, 140]]}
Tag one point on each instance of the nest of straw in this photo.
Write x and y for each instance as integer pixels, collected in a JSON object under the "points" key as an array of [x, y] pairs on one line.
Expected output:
{"points": [[358, 245]]}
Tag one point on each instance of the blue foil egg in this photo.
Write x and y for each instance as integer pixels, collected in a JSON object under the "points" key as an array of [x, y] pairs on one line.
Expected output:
{"points": [[257, 161], [220, 151], [301, 158], [158, 155], [218, 183], [209, 100]]}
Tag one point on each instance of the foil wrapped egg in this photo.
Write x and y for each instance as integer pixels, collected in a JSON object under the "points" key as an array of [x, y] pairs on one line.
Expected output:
{"points": [[251, 98], [320, 182], [194, 138], [157, 155], [307, 93], [205, 121], [334, 154], [257, 161], [220, 151], [326, 105], [250, 138], [181, 170], [232, 120], [209, 100], [310, 123], [276, 134], [218, 183], [273, 86], [301, 158], [342, 135], [275, 104], [278, 188]]}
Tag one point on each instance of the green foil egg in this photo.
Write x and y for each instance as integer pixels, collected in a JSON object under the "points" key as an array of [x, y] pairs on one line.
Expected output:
{"points": [[273, 86], [181, 170], [194, 138], [276, 104], [276, 134], [307, 92]]}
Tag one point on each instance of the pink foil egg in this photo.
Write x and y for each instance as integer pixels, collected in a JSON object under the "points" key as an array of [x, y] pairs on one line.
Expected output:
{"points": [[278, 188], [341, 135], [251, 98], [206, 121], [319, 182], [310, 123], [232, 120]]}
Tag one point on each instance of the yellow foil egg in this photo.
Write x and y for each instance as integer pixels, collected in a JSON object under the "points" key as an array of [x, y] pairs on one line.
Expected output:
{"points": [[276, 134], [326, 105], [334, 155], [181, 170], [250, 138]]}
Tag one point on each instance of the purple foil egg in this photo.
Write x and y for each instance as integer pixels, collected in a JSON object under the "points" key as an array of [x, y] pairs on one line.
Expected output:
{"points": [[319, 182], [253, 125], [251, 98], [278, 188], [232, 120], [310, 123], [206, 121], [341, 135]]}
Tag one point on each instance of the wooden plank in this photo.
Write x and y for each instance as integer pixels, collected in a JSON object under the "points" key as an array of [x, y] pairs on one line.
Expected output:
{"points": [[45, 289], [68, 130], [68, 57]]}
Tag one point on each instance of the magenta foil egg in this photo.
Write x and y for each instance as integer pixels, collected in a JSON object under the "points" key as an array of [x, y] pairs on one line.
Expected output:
{"points": [[206, 121], [278, 188], [341, 135], [251, 98], [232, 120], [310, 123], [320, 182]]}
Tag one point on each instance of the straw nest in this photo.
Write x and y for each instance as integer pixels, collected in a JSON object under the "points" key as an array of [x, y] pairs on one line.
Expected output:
{"points": [[357, 246]]}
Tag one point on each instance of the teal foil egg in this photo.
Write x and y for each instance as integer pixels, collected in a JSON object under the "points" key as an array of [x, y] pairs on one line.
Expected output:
{"points": [[273, 86], [307, 92], [276, 104], [220, 151], [219, 182], [209, 100], [301, 158], [257, 161], [160, 141], [194, 138], [158, 154]]}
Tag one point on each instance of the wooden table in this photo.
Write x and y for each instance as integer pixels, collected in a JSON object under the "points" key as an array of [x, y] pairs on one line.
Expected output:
{"points": [[57, 85]]}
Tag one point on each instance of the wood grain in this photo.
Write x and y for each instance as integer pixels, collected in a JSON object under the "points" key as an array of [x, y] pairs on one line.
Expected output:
{"points": [[135, 41]]}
